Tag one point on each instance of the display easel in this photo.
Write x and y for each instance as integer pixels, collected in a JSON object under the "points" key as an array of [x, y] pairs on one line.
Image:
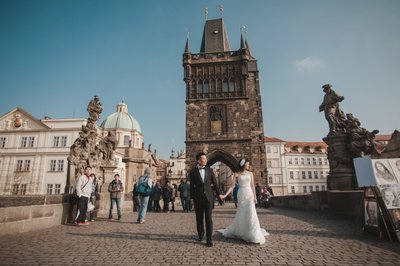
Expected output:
{"points": [[385, 221]]}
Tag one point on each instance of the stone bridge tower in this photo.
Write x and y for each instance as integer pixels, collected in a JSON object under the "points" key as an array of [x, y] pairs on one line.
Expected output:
{"points": [[223, 102]]}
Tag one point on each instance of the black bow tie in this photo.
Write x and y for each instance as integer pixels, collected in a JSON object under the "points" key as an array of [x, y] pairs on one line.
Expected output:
{"points": [[202, 167]]}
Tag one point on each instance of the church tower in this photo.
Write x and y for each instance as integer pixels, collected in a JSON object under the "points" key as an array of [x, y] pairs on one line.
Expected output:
{"points": [[223, 102]]}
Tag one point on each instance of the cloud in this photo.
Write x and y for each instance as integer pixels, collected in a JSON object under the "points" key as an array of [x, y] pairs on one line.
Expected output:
{"points": [[308, 64]]}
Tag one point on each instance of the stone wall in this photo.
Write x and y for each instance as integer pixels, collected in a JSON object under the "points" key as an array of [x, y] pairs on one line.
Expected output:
{"points": [[20, 214], [342, 203]]}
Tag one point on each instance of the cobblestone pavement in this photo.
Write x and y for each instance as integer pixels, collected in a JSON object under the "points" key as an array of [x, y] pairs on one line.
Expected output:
{"points": [[296, 238]]}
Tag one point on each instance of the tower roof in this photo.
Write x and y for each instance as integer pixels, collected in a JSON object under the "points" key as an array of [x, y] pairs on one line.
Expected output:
{"points": [[215, 38]]}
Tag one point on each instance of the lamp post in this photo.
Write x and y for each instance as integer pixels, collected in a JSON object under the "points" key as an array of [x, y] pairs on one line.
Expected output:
{"points": [[169, 173]]}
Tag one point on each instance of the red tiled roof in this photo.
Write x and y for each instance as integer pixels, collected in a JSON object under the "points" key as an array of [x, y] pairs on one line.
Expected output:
{"points": [[272, 139]]}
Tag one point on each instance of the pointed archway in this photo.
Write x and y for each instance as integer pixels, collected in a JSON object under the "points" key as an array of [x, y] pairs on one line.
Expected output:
{"points": [[223, 157]]}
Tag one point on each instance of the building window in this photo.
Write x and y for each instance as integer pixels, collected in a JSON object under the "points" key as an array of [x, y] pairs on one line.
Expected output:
{"points": [[56, 141], [314, 161], [303, 174], [321, 174], [316, 188], [19, 189], [53, 165], [302, 160], [31, 142], [60, 167], [49, 189], [304, 189], [200, 87], [225, 86], [311, 189], [232, 87], [2, 142], [206, 87], [24, 141], [268, 149], [275, 149], [325, 161], [298, 174], [64, 141], [290, 161], [323, 187], [320, 161], [292, 189], [316, 174], [270, 179], [57, 188], [19, 165], [308, 160], [269, 163], [309, 174], [27, 165], [291, 174], [126, 140], [296, 160]]}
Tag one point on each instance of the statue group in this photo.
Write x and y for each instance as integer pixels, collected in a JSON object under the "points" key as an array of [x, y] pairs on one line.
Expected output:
{"points": [[90, 148], [346, 140], [361, 141]]}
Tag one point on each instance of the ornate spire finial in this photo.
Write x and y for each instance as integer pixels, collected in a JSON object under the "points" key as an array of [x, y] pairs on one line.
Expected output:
{"points": [[243, 30], [221, 10], [206, 12]]}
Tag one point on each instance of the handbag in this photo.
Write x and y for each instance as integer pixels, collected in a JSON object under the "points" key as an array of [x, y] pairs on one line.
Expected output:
{"points": [[143, 188], [90, 206]]}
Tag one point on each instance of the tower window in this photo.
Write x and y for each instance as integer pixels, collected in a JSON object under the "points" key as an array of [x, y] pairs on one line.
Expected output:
{"points": [[225, 86], [200, 87]]}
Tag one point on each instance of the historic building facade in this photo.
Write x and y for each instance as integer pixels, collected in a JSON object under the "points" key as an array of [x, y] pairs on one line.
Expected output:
{"points": [[296, 167], [223, 103], [34, 153]]}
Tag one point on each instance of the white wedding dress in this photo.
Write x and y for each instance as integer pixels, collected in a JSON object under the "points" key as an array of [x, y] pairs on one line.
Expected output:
{"points": [[245, 225]]}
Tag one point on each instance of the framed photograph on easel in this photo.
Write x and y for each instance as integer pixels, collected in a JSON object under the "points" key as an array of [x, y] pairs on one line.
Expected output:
{"points": [[371, 213]]}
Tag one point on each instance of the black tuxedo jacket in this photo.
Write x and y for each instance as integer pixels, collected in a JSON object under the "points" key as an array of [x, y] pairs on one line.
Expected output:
{"points": [[198, 188]]}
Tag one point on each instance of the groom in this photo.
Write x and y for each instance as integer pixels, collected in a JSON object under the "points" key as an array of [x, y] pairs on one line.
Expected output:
{"points": [[202, 184]]}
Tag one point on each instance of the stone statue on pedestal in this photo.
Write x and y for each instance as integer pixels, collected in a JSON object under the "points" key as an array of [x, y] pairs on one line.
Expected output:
{"points": [[346, 140]]}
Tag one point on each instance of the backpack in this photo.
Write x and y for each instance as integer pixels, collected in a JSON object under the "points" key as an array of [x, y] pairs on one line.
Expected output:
{"points": [[143, 188]]}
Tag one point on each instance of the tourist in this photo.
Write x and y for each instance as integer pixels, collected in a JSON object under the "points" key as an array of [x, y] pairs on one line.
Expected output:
{"points": [[83, 187], [183, 194], [115, 188], [144, 180], [156, 197]]}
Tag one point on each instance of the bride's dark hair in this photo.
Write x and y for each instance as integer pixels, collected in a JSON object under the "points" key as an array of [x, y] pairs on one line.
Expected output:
{"points": [[242, 163]]}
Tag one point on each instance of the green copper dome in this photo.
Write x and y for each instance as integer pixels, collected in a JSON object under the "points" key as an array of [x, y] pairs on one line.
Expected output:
{"points": [[121, 119]]}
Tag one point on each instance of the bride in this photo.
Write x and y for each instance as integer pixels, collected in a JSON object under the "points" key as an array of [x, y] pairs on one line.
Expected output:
{"points": [[245, 225]]}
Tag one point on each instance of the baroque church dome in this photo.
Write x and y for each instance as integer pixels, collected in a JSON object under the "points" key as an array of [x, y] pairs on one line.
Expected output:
{"points": [[121, 119]]}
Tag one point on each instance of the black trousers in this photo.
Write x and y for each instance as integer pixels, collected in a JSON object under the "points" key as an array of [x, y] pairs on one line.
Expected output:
{"points": [[203, 209], [82, 209]]}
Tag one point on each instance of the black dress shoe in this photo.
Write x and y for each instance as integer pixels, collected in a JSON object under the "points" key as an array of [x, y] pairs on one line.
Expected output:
{"points": [[200, 238], [209, 244]]}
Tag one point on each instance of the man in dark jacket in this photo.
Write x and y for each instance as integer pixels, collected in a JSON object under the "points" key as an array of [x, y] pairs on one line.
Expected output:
{"points": [[115, 188], [183, 194], [202, 184]]}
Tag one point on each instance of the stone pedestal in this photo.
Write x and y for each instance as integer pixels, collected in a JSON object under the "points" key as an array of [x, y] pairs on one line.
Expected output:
{"points": [[342, 174], [108, 177]]}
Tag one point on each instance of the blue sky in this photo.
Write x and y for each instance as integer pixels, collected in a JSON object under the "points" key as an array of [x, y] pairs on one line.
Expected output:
{"points": [[56, 55]]}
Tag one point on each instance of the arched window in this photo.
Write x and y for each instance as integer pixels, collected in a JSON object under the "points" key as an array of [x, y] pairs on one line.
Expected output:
{"points": [[206, 88], [232, 86], [200, 86], [225, 86]]}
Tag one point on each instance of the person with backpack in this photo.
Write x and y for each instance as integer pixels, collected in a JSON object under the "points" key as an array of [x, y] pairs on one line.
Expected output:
{"points": [[144, 189]]}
